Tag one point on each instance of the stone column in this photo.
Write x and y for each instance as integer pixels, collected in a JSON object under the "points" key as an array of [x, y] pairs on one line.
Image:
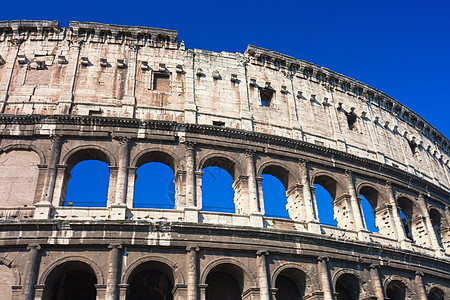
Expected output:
{"points": [[190, 210], [192, 276], [430, 230], [401, 236], [310, 212], [65, 102], [420, 288], [113, 273], [44, 207], [255, 212], [30, 275], [322, 269], [9, 70], [375, 278], [202, 288], [118, 208], [262, 274], [354, 202]]}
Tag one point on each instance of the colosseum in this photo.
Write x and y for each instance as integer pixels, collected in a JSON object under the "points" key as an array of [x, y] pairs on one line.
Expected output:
{"points": [[127, 96]]}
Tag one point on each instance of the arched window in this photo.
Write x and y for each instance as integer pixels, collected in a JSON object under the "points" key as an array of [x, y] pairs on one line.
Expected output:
{"points": [[396, 290], [275, 199], [224, 282], [150, 280], [290, 284], [436, 294], [217, 185], [217, 190], [278, 196], [70, 281], [368, 214], [347, 287], [88, 184], [406, 214], [326, 190], [154, 185], [436, 221]]}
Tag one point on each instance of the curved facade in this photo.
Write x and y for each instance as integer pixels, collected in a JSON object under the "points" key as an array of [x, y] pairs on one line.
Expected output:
{"points": [[127, 96]]}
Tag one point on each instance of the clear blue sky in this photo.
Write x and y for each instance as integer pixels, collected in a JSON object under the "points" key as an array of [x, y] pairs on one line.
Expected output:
{"points": [[399, 47]]}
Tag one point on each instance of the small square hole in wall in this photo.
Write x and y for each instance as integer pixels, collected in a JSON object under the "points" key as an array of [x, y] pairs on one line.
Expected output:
{"points": [[161, 82], [266, 95]]}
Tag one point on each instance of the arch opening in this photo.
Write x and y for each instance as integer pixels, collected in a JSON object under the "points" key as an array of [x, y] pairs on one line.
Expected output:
{"points": [[225, 282], [70, 281], [154, 186], [274, 197], [290, 284], [396, 290], [436, 222], [405, 209], [325, 191], [436, 294], [347, 287], [151, 280], [370, 201], [88, 184], [218, 194]]}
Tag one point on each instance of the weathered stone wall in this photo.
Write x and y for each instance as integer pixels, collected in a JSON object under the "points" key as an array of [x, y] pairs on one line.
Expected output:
{"points": [[130, 95]]}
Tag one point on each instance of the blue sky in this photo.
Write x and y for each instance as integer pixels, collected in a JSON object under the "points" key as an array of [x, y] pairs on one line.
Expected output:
{"points": [[399, 47]]}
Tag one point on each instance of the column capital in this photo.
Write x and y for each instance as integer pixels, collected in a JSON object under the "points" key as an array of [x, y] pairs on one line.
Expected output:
{"points": [[56, 138], [37, 247], [117, 246], [123, 140], [189, 145], [374, 266], [249, 152], [262, 253], [302, 162], [388, 184], [323, 258], [418, 274], [192, 249], [348, 172]]}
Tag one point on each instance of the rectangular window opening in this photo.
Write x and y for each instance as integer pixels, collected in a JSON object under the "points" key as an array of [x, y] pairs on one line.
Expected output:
{"points": [[266, 95], [218, 123], [161, 82]]}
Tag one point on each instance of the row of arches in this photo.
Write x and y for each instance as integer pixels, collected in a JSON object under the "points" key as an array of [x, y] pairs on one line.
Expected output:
{"points": [[223, 281], [158, 182]]}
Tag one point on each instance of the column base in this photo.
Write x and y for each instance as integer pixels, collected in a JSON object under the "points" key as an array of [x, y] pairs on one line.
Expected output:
{"points": [[191, 214], [364, 236], [314, 227], [42, 210], [257, 219], [118, 211], [405, 245]]}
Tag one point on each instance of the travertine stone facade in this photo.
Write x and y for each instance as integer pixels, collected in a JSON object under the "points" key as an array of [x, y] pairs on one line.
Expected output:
{"points": [[131, 95]]}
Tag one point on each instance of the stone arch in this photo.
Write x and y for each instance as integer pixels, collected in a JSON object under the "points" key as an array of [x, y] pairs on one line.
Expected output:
{"points": [[75, 258], [438, 223], [280, 170], [413, 221], [178, 277], [378, 202], [224, 161], [436, 292], [395, 279], [375, 197], [341, 272], [311, 283], [325, 179], [162, 155], [248, 274], [87, 152], [38, 151]]}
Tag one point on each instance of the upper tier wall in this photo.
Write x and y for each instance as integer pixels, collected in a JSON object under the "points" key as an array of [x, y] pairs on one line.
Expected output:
{"points": [[144, 73]]}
